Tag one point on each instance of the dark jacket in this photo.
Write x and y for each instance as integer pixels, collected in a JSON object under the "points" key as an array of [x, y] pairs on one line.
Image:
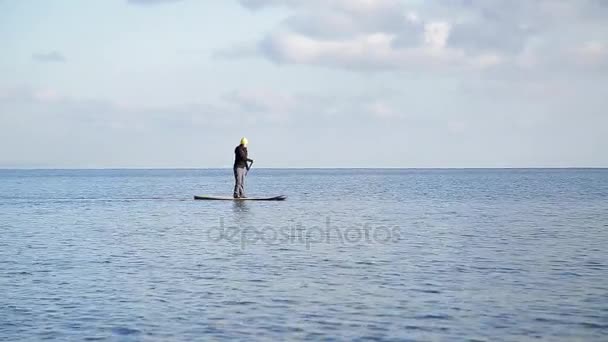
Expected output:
{"points": [[240, 156]]}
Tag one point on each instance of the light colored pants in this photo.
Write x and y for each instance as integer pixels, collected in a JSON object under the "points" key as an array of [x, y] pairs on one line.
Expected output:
{"points": [[239, 182]]}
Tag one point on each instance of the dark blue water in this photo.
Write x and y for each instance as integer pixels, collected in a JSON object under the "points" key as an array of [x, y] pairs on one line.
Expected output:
{"points": [[371, 254]]}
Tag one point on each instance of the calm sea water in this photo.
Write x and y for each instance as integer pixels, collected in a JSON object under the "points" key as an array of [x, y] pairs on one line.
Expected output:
{"points": [[352, 254]]}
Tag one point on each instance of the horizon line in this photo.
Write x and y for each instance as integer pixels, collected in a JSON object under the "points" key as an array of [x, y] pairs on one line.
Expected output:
{"points": [[309, 168]]}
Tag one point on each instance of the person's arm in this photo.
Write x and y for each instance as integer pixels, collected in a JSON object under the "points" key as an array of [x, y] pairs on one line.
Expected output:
{"points": [[246, 156], [248, 162], [243, 155]]}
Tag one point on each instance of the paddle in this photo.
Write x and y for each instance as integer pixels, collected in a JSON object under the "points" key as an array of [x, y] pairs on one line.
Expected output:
{"points": [[249, 167]]}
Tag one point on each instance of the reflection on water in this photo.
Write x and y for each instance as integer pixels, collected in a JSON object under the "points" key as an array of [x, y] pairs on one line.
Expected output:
{"points": [[240, 207], [242, 214]]}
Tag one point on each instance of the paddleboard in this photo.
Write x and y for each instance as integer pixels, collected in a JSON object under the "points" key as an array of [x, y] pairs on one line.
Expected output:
{"points": [[229, 198]]}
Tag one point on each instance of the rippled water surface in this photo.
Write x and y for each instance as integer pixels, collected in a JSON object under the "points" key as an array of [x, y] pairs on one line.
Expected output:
{"points": [[370, 254]]}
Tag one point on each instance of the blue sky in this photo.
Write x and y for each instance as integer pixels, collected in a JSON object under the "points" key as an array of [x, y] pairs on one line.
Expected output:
{"points": [[332, 83]]}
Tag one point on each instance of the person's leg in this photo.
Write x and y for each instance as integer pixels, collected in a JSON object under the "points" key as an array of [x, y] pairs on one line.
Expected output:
{"points": [[235, 193], [241, 174]]}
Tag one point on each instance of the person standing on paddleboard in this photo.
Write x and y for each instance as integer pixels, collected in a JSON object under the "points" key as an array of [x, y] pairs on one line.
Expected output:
{"points": [[240, 168]]}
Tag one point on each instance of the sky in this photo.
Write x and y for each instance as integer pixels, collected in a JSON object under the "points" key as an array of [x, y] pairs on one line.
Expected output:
{"points": [[310, 83]]}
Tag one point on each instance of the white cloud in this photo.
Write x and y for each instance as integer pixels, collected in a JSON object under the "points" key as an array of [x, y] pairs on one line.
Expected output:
{"points": [[436, 34], [487, 60], [364, 6], [391, 34], [47, 95], [382, 110], [364, 34], [372, 51], [272, 105], [352, 6], [150, 2], [412, 17], [592, 53]]}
